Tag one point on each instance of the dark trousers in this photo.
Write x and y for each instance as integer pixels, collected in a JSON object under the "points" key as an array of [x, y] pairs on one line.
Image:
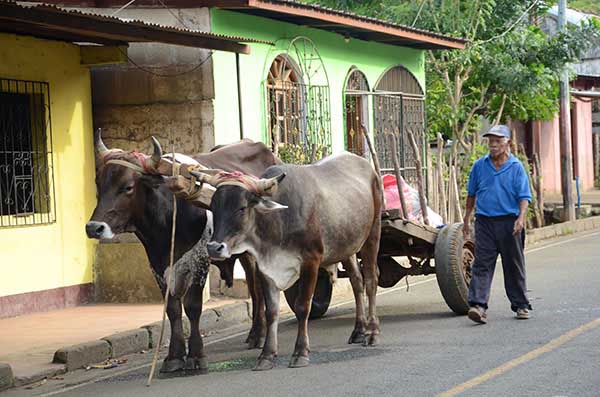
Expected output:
{"points": [[493, 236]]}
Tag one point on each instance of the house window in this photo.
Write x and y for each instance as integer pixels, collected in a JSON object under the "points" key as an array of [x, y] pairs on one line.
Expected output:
{"points": [[356, 112], [297, 104], [26, 187]]}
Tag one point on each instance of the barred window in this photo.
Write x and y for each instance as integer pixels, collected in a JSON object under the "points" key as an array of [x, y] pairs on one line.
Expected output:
{"points": [[26, 182]]}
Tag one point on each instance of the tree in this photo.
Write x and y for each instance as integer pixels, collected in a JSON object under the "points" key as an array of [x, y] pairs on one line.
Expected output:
{"points": [[509, 70]]}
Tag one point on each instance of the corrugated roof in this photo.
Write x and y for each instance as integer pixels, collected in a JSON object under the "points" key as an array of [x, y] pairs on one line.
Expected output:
{"points": [[342, 22], [52, 22]]}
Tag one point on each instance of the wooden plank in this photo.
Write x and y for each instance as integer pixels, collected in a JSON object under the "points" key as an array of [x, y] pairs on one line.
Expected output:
{"points": [[421, 232]]}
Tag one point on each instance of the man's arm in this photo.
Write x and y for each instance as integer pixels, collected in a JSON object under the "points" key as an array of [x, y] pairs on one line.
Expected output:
{"points": [[468, 211], [520, 222]]}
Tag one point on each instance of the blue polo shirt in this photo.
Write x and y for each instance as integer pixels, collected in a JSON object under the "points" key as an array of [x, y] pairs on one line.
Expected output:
{"points": [[498, 192]]}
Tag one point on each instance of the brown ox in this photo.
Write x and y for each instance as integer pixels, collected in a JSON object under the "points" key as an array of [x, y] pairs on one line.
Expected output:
{"points": [[295, 220], [140, 202]]}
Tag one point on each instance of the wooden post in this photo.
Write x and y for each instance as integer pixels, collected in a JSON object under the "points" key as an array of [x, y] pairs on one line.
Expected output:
{"points": [[538, 188], [441, 184], [430, 180], [394, 148], [566, 147], [419, 166], [596, 157], [313, 152], [456, 198]]}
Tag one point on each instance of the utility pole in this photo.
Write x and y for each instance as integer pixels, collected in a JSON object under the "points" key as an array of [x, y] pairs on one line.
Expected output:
{"points": [[566, 148]]}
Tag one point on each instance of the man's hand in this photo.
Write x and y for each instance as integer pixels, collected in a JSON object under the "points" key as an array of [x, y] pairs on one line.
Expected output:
{"points": [[466, 228], [519, 225]]}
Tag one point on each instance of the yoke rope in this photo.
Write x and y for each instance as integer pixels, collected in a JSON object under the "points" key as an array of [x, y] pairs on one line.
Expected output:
{"points": [[176, 168]]}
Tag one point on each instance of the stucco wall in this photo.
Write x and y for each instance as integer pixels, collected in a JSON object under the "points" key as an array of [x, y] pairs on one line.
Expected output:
{"points": [[582, 143], [35, 258], [339, 56]]}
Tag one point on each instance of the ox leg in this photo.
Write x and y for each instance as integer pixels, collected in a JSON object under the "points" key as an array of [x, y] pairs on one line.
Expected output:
{"points": [[368, 255], [266, 360], [358, 288], [175, 359], [196, 359], [256, 336], [308, 283]]}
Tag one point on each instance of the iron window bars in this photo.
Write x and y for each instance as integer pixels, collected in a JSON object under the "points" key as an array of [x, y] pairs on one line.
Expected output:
{"points": [[26, 173]]}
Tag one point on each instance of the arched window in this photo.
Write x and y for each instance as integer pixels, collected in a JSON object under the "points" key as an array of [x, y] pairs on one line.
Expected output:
{"points": [[298, 109], [399, 106], [356, 112]]}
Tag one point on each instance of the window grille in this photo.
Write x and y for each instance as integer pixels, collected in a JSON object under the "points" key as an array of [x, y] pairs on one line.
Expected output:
{"points": [[26, 179], [356, 112]]}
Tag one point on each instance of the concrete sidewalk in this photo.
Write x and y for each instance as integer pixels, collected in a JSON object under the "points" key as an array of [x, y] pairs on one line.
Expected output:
{"points": [[28, 343]]}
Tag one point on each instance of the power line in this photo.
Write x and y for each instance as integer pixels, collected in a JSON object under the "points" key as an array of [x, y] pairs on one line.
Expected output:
{"points": [[122, 8], [511, 26], [196, 67], [182, 22]]}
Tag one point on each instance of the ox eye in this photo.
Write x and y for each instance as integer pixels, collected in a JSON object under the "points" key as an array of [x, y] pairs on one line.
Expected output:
{"points": [[128, 189], [241, 210]]}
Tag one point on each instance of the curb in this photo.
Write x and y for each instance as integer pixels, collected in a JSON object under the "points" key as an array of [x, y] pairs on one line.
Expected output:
{"points": [[215, 319], [563, 229]]}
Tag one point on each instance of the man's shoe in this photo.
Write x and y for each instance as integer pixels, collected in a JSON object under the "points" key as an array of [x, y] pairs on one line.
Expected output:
{"points": [[477, 314], [523, 314]]}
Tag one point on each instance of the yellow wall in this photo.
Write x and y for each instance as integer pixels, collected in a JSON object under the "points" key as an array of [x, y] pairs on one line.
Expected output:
{"points": [[34, 258]]}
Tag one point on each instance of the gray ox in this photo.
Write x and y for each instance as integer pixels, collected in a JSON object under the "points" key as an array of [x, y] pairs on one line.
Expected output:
{"points": [[141, 202], [294, 220]]}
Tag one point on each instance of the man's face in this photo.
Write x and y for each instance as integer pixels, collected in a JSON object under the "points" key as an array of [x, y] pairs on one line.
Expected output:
{"points": [[497, 145]]}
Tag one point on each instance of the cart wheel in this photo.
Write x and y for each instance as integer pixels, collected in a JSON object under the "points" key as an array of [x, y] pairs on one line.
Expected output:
{"points": [[321, 298], [453, 260]]}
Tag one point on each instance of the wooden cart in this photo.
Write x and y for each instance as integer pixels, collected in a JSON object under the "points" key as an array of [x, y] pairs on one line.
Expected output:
{"points": [[453, 257]]}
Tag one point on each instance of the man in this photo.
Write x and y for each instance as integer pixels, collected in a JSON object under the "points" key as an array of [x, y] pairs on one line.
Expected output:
{"points": [[499, 189]]}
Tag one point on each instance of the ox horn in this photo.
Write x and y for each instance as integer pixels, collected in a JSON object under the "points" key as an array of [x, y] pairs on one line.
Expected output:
{"points": [[158, 153], [100, 146], [268, 187], [204, 177]]}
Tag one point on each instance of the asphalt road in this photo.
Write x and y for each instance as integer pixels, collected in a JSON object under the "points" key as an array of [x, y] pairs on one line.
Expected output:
{"points": [[425, 350]]}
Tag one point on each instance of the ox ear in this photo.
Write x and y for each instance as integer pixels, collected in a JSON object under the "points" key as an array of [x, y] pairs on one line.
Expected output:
{"points": [[266, 205]]}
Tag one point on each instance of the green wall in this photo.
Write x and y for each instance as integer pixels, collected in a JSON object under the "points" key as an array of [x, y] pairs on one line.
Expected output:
{"points": [[339, 56]]}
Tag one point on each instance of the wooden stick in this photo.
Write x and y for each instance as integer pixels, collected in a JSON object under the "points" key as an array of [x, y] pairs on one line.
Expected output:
{"points": [[456, 199], [419, 166], [440, 171], [169, 276], [363, 131], [313, 153], [394, 148]]}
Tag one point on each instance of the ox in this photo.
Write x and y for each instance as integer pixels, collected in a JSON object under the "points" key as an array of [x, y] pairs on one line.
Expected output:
{"points": [[294, 220], [141, 202]]}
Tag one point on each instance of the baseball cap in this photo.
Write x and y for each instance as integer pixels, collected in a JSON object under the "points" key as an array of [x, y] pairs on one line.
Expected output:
{"points": [[499, 130]]}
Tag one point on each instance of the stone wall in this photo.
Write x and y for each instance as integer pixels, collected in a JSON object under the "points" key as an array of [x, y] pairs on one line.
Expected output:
{"points": [[164, 90]]}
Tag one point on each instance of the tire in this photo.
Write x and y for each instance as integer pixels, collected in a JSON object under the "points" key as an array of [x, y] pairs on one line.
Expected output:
{"points": [[453, 260], [321, 298]]}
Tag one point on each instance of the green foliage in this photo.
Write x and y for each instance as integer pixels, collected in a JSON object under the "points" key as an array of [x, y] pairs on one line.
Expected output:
{"points": [[295, 154], [510, 70]]}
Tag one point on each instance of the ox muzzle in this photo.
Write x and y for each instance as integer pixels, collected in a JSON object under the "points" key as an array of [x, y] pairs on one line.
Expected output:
{"points": [[98, 230], [218, 251]]}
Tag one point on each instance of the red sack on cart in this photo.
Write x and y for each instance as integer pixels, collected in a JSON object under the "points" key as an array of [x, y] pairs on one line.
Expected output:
{"points": [[411, 197]]}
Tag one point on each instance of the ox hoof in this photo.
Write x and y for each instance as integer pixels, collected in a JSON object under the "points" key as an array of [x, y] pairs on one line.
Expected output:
{"points": [[357, 337], [372, 340], [196, 366], [264, 364], [172, 365], [299, 361]]}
